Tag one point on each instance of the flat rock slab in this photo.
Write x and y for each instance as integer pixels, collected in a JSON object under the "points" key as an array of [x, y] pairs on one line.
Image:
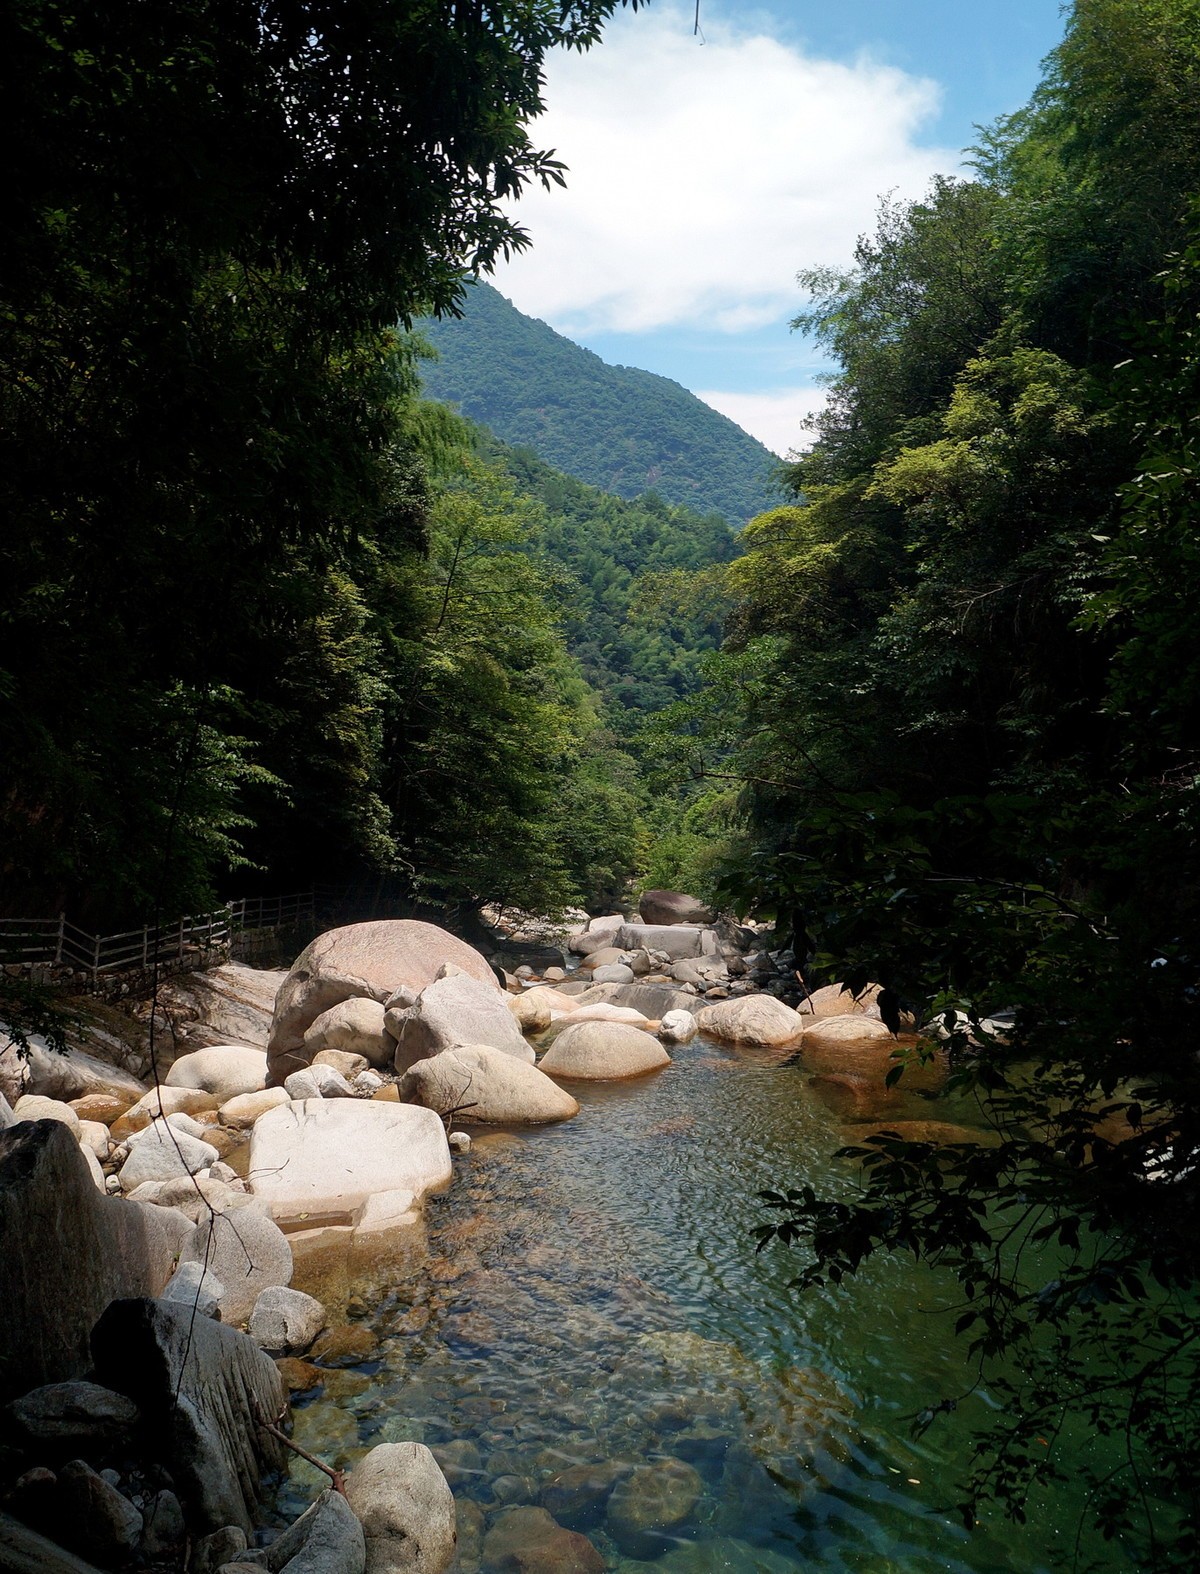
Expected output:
{"points": [[201, 1388], [232, 1002], [677, 940], [319, 1161]]}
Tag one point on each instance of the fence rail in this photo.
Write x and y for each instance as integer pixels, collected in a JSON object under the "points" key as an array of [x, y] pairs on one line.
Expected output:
{"points": [[184, 942]]}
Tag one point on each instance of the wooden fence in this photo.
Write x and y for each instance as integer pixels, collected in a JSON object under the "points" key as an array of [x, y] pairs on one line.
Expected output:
{"points": [[192, 941]]}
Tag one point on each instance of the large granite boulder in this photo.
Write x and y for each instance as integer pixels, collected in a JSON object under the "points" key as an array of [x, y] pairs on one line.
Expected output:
{"points": [[68, 1251], [484, 1084], [224, 1070], [454, 1010], [406, 1510], [676, 940], [203, 1391], [73, 1420], [603, 1052], [672, 907], [833, 1001], [161, 1152], [753, 1019], [371, 961], [321, 1160], [246, 1251]]}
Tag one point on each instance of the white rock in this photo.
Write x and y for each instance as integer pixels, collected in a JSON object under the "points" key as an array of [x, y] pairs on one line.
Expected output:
{"points": [[486, 1085], [188, 1123], [224, 1070], [678, 1027], [285, 1321], [192, 1285], [325, 1157], [317, 1082], [93, 1134], [676, 940], [164, 1101], [31, 1106], [406, 1510], [459, 1142], [824, 1032], [159, 1153], [367, 1082], [94, 1170]]}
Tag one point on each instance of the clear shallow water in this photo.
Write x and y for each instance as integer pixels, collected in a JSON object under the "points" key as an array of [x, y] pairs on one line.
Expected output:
{"points": [[593, 1303]]}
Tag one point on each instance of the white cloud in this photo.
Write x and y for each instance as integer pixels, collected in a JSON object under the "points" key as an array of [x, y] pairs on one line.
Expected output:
{"points": [[701, 177], [774, 418]]}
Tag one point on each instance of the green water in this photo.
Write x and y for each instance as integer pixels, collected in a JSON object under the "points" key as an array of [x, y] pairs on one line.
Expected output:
{"points": [[594, 1299]]}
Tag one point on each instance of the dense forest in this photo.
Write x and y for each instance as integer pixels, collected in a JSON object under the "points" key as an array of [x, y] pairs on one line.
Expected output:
{"points": [[270, 614], [959, 687], [615, 427]]}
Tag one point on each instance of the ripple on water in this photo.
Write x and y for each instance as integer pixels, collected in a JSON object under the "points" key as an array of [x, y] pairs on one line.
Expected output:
{"points": [[593, 1319]]}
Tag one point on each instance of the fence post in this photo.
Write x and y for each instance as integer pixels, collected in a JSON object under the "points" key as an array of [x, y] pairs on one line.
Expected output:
{"points": [[181, 939], [145, 946], [58, 947], [95, 960]]}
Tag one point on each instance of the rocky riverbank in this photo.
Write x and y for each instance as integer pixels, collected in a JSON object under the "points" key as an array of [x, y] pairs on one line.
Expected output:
{"points": [[301, 1120]]}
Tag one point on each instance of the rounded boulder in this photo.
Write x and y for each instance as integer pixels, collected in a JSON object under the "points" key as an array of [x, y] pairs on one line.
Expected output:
{"points": [[486, 1085], [224, 1070], [752, 1019], [603, 1052]]}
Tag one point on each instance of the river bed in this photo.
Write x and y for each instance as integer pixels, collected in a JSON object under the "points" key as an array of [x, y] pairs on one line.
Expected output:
{"points": [[593, 1302]]}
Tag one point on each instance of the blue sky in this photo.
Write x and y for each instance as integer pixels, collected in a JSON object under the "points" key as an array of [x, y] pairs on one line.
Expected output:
{"points": [[703, 175]]}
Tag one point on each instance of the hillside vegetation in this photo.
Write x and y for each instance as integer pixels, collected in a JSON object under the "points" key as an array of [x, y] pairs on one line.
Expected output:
{"points": [[617, 428]]}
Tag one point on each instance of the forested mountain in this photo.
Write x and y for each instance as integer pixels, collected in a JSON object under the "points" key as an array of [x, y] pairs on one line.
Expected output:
{"points": [[624, 430], [641, 649]]}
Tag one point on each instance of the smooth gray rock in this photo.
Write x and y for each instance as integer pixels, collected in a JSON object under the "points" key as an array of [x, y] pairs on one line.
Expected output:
{"points": [[247, 1251], [352, 1027], [452, 1011], [613, 973], [406, 1510], [192, 1286], [103, 1248], [603, 1052], [202, 1388], [216, 1549], [224, 1070], [24, 1551], [677, 940], [326, 1539], [285, 1321]]}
